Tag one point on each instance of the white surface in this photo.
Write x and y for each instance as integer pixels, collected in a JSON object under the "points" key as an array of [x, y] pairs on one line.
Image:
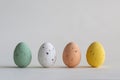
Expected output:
{"points": [[59, 22], [59, 73]]}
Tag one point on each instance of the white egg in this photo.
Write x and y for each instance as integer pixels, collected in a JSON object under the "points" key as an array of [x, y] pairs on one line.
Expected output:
{"points": [[47, 55]]}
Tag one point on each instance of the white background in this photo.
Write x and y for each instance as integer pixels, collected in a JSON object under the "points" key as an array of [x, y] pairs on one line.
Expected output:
{"points": [[59, 22]]}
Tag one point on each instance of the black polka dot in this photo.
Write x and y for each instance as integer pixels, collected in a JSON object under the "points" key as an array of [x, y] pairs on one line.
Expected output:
{"points": [[47, 53], [52, 59], [91, 51], [93, 54], [75, 51], [53, 48], [43, 47]]}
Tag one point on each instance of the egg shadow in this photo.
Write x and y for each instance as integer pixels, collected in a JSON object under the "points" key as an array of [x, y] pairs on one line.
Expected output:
{"points": [[84, 67], [40, 67], [73, 67], [3, 67], [35, 67]]}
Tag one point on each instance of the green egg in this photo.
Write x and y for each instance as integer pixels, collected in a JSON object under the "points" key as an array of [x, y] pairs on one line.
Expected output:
{"points": [[22, 55]]}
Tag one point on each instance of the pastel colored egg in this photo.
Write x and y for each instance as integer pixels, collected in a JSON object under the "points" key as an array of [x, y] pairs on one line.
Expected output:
{"points": [[22, 55], [71, 55], [95, 54], [47, 55]]}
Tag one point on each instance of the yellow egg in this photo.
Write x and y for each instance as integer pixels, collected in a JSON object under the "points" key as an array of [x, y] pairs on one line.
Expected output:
{"points": [[95, 54]]}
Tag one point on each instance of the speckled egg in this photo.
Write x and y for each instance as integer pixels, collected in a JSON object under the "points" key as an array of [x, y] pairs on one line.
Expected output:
{"points": [[71, 55], [47, 55], [22, 55], [95, 54]]}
